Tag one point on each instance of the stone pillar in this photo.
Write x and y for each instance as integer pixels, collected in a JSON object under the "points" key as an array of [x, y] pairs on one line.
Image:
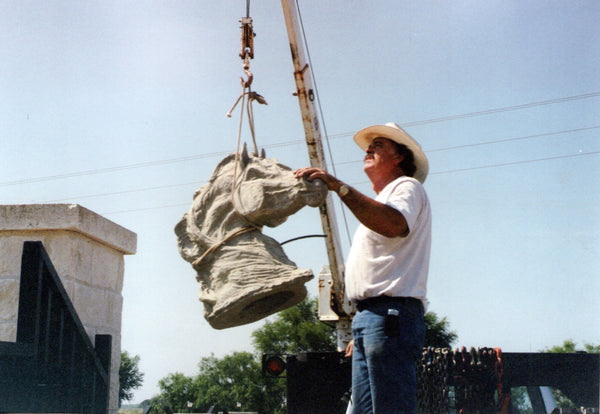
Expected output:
{"points": [[87, 252]]}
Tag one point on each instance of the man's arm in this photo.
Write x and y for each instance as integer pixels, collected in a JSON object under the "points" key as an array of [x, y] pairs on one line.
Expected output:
{"points": [[374, 215]]}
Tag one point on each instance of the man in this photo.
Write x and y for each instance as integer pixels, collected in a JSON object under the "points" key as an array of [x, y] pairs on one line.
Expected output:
{"points": [[386, 271]]}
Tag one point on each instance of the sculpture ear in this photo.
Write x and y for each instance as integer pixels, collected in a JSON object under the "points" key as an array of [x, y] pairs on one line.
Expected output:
{"points": [[244, 157], [188, 249], [263, 154]]}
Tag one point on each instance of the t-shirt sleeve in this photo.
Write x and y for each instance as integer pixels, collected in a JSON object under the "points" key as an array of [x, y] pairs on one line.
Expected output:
{"points": [[407, 198]]}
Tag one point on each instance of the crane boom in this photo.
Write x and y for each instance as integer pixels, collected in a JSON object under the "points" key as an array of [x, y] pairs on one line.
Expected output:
{"points": [[306, 97]]}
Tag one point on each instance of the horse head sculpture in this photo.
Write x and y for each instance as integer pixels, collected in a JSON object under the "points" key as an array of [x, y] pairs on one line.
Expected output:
{"points": [[245, 275]]}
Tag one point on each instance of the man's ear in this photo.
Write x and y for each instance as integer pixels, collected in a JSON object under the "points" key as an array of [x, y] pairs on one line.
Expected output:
{"points": [[399, 159]]}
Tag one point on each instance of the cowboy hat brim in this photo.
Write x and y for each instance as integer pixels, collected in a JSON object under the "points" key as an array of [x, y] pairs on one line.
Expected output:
{"points": [[393, 132]]}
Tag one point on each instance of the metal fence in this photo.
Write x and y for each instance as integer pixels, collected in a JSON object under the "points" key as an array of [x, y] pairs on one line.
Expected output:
{"points": [[53, 366]]}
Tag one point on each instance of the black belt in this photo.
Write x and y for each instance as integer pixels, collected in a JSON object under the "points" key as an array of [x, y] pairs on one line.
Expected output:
{"points": [[405, 300]]}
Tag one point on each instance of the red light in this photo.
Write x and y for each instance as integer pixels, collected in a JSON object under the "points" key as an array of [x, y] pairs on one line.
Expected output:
{"points": [[274, 365]]}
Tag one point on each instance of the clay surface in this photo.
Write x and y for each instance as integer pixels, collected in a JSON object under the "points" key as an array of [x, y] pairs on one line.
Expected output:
{"points": [[245, 275]]}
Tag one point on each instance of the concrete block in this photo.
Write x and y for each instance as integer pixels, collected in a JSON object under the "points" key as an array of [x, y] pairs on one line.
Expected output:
{"points": [[106, 270], [9, 300], [8, 331], [91, 305], [11, 249], [114, 310]]}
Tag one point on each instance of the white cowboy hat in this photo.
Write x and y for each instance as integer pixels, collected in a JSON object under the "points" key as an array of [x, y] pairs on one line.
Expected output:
{"points": [[392, 131]]}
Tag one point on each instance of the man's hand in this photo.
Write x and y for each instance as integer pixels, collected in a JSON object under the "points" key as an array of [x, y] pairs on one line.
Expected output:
{"points": [[349, 348], [311, 173]]}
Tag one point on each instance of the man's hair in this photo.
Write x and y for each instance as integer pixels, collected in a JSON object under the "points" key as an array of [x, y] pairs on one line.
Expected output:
{"points": [[408, 159]]}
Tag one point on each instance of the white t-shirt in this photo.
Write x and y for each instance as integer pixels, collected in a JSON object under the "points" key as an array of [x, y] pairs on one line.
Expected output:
{"points": [[398, 266]]}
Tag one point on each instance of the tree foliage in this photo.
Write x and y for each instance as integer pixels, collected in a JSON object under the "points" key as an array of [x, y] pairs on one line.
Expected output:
{"points": [[569, 346], [234, 382], [176, 390], [437, 333], [295, 330], [130, 377]]}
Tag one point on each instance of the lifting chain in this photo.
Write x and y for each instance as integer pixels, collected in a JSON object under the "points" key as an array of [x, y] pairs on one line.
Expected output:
{"points": [[460, 381]]}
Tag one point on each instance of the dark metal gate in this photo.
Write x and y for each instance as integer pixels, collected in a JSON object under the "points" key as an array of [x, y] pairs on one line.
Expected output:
{"points": [[53, 367]]}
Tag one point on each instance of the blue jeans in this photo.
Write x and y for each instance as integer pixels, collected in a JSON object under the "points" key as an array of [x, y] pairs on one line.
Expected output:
{"points": [[384, 368]]}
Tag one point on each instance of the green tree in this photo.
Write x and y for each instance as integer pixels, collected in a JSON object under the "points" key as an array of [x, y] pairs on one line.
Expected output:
{"points": [[234, 382], [175, 392], [294, 330], [437, 333], [130, 377], [238, 378], [569, 346]]}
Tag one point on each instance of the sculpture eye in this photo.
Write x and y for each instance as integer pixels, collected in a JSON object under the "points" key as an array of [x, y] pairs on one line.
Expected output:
{"points": [[253, 173]]}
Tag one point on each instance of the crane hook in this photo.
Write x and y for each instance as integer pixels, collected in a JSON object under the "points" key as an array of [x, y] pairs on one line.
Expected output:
{"points": [[247, 83]]}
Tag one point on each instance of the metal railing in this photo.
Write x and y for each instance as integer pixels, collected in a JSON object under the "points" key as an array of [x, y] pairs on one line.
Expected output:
{"points": [[53, 366]]}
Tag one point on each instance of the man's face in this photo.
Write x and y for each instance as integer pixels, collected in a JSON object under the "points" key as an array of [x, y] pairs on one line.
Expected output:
{"points": [[382, 158]]}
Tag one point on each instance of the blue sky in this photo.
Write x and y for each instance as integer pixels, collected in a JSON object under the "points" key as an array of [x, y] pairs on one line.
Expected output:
{"points": [[120, 106]]}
